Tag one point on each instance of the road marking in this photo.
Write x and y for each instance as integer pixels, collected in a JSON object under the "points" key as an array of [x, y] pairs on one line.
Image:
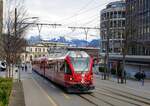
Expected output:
{"points": [[65, 95], [49, 98]]}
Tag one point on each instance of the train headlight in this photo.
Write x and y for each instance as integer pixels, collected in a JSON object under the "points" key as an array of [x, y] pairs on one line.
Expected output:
{"points": [[71, 79], [91, 77]]}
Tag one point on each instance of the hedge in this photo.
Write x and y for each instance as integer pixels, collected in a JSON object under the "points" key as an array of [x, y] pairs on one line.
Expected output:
{"points": [[5, 90]]}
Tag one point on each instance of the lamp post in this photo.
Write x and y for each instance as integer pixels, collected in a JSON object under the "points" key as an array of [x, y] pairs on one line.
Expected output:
{"points": [[15, 29], [106, 58]]}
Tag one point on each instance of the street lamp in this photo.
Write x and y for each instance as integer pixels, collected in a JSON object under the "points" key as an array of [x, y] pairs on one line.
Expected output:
{"points": [[30, 18], [15, 29]]}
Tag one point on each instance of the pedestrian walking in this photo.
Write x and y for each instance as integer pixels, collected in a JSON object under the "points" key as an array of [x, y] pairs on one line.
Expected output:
{"points": [[119, 76], [138, 76], [125, 77], [142, 77], [22, 67], [25, 67]]}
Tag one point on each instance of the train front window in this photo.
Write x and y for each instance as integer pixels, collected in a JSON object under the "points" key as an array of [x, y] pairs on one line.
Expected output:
{"points": [[80, 64], [80, 60]]}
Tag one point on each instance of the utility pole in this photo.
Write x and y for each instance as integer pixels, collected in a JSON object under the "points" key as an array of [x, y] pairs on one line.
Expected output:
{"points": [[106, 59], [40, 25], [86, 29], [124, 52], [15, 28], [15, 32]]}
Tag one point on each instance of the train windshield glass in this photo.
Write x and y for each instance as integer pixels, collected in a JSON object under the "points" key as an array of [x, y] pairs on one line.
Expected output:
{"points": [[80, 61]]}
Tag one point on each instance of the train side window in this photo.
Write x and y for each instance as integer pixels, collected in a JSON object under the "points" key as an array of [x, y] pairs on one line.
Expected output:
{"points": [[67, 70], [62, 68], [56, 68], [51, 67]]}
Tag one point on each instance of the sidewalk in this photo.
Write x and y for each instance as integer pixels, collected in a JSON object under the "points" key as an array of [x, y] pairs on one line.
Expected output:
{"points": [[132, 84], [34, 94], [17, 95]]}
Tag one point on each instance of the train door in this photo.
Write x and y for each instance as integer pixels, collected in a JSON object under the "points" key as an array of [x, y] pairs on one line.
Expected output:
{"points": [[60, 71]]}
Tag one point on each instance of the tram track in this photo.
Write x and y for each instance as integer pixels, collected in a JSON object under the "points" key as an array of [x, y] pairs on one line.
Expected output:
{"points": [[108, 96], [125, 92], [129, 95], [102, 100], [92, 99], [122, 97], [116, 98], [88, 100]]}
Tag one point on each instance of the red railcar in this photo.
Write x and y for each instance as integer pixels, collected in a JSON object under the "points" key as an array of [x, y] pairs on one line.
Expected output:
{"points": [[72, 70]]}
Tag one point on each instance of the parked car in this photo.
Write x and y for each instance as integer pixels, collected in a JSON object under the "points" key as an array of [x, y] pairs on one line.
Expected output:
{"points": [[2, 65]]}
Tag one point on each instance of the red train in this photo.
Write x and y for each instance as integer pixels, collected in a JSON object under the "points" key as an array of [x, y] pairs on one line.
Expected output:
{"points": [[71, 69]]}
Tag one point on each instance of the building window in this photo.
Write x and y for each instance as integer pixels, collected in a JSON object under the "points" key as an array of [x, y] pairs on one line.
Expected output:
{"points": [[31, 58], [35, 56], [43, 49], [30, 49], [39, 49], [35, 49]]}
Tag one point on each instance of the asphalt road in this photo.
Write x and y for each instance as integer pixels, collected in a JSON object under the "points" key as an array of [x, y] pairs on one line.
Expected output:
{"points": [[40, 92]]}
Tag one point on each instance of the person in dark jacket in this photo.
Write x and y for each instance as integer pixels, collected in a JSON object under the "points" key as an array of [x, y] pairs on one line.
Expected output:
{"points": [[119, 75], [26, 67], [125, 76], [143, 76], [138, 76]]}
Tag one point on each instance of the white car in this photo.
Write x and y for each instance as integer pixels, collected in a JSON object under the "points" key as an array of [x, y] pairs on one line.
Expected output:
{"points": [[2, 65]]}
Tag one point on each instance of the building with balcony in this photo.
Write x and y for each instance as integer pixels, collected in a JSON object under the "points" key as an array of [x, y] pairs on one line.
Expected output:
{"points": [[113, 26], [138, 27]]}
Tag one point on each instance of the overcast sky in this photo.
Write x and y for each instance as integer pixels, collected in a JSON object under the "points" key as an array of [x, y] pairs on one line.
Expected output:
{"points": [[68, 13]]}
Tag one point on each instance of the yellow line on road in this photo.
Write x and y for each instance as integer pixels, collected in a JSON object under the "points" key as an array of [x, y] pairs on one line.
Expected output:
{"points": [[66, 96], [49, 98]]}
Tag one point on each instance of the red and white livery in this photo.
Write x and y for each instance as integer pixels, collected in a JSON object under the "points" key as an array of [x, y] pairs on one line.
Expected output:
{"points": [[71, 69]]}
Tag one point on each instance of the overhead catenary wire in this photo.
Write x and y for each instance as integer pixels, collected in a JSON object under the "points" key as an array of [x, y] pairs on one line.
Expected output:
{"points": [[83, 12], [82, 8], [90, 21], [81, 19]]}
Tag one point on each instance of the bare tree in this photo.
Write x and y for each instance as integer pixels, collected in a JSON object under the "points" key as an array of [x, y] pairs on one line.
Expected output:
{"points": [[128, 42], [13, 39]]}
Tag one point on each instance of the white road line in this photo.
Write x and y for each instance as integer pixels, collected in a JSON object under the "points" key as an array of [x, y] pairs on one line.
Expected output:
{"points": [[49, 98], [65, 95]]}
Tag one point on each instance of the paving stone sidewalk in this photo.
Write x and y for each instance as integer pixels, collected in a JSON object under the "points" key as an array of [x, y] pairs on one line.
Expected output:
{"points": [[130, 83], [17, 95]]}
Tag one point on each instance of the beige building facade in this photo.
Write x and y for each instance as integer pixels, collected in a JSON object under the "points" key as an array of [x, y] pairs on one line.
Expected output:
{"points": [[34, 51], [40, 50]]}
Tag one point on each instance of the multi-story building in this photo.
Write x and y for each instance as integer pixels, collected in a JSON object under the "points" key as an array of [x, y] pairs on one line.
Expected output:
{"points": [[138, 26], [1, 16], [113, 25], [136, 21]]}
